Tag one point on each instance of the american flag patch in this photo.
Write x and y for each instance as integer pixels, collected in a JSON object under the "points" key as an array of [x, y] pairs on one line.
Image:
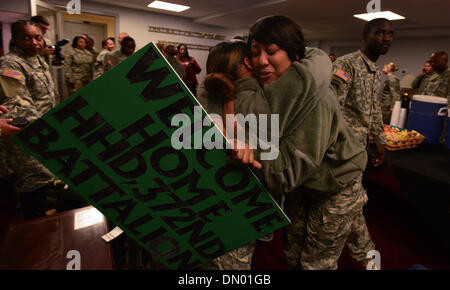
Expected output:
{"points": [[342, 74], [12, 73]]}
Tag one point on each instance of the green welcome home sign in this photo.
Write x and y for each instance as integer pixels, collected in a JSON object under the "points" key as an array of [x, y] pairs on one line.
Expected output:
{"points": [[111, 143]]}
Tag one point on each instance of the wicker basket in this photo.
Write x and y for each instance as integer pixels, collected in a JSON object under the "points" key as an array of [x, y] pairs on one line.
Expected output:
{"points": [[412, 141]]}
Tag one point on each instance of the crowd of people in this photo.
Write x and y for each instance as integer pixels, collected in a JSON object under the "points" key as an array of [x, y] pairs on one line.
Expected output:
{"points": [[29, 90], [84, 63], [327, 110]]}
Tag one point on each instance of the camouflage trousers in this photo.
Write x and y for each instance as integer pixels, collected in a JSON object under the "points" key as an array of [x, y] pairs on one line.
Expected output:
{"points": [[322, 225], [359, 241], [29, 173], [237, 259], [386, 115]]}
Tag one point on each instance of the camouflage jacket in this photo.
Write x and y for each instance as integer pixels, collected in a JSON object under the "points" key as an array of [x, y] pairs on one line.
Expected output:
{"points": [[94, 51], [435, 85], [27, 87], [316, 151], [391, 94], [418, 80], [113, 58], [357, 81], [98, 65], [78, 65]]}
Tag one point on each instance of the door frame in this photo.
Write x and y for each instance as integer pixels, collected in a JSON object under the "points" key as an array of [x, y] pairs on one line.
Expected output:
{"points": [[84, 9]]}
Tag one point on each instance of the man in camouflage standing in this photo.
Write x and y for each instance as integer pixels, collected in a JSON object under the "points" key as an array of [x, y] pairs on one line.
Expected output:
{"points": [[438, 83], [27, 91], [427, 71], [47, 49], [357, 81]]}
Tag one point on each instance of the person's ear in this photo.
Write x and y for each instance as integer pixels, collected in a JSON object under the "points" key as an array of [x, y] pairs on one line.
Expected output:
{"points": [[247, 63]]}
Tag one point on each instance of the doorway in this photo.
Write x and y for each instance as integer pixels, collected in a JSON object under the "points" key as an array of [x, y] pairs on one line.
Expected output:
{"points": [[95, 31], [97, 27]]}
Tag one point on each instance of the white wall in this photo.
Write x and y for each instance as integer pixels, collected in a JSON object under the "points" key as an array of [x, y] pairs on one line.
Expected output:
{"points": [[20, 9], [136, 23], [6, 36], [19, 6], [410, 49]]}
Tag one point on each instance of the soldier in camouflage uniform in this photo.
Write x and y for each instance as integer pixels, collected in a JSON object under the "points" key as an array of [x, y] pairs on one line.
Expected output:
{"points": [[113, 58], [391, 91], [427, 71], [357, 80], [322, 212], [48, 49], [27, 91], [438, 83], [78, 64], [92, 49], [108, 45]]}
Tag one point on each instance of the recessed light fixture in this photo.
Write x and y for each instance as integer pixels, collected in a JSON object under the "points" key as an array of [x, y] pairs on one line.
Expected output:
{"points": [[382, 14], [168, 6]]}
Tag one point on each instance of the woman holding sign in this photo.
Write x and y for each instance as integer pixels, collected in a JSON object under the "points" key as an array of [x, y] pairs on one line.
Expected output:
{"points": [[319, 164]]}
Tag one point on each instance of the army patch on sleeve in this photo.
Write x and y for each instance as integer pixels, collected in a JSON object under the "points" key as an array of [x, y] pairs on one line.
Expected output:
{"points": [[342, 74], [7, 72]]}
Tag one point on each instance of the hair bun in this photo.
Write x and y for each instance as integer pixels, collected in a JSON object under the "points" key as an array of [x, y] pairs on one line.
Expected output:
{"points": [[219, 84]]}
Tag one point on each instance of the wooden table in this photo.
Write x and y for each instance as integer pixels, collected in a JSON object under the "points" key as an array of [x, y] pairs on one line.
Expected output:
{"points": [[55, 242]]}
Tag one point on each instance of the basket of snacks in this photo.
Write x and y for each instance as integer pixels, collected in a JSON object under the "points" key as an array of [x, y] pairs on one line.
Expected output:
{"points": [[400, 139]]}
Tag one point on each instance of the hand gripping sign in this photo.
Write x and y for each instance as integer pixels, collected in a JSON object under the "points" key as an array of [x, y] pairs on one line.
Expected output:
{"points": [[110, 142]]}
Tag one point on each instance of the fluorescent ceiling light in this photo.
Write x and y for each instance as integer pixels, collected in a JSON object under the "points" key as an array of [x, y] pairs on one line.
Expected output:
{"points": [[168, 6], [382, 14]]}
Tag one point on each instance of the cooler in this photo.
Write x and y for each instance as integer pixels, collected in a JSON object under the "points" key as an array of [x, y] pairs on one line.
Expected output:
{"points": [[426, 116]]}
